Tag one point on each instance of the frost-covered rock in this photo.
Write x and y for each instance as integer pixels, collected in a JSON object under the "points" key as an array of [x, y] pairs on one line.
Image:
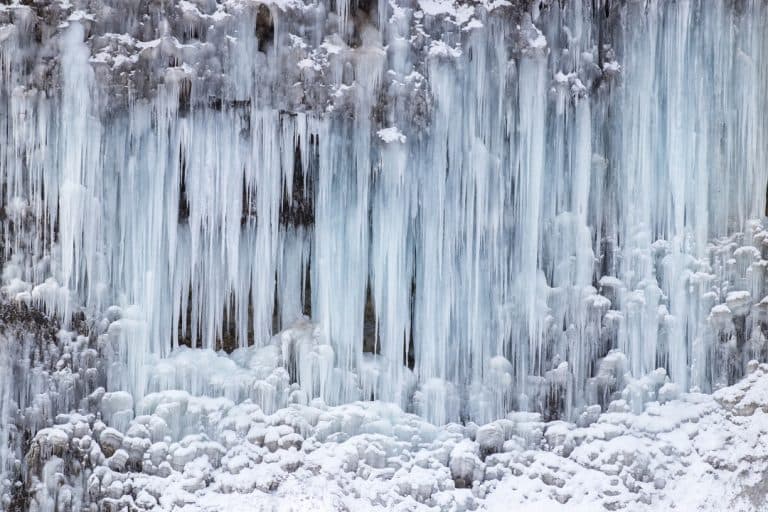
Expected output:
{"points": [[466, 466], [110, 440], [490, 437]]}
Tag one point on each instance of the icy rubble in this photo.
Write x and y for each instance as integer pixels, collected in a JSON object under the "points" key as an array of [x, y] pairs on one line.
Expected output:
{"points": [[197, 453]]}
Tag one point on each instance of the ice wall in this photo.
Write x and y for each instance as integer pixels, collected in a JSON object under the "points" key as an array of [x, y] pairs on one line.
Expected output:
{"points": [[506, 191]]}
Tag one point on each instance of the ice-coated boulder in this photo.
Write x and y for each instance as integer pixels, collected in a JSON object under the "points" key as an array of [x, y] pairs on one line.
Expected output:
{"points": [[110, 439], [466, 467], [118, 460], [490, 437]]}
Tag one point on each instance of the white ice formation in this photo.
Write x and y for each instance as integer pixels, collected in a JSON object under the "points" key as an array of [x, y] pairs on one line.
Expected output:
{"points": [[489, 210], [240, 441]]}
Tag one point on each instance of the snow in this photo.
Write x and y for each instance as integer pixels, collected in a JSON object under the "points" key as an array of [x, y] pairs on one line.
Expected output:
{"points": [[309, 63], [441, 49], [391, 134], [648, 461], [473, 24], [739, 302], [437, 7]]}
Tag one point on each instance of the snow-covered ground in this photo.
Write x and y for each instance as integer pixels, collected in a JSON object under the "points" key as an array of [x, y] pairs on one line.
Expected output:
{"points": [[195, 453]]}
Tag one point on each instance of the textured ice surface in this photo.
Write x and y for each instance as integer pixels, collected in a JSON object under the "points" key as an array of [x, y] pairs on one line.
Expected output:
{"points": [[197, 453], [217, 431], [524, 223]]}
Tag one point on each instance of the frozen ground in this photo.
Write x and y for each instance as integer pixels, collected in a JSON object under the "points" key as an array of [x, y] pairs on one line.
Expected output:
{"points": [[194, 453]]}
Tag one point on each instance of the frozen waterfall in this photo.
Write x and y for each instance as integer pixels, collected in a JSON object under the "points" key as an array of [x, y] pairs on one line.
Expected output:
{"points": [[483, 207], [507, 193]]}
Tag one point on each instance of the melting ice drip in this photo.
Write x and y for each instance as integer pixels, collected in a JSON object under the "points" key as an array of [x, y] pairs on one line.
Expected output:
{"points": [[511, 192]]}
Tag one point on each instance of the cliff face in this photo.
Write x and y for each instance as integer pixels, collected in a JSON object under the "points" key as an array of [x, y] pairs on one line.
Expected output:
{"points": [[484, 206]]}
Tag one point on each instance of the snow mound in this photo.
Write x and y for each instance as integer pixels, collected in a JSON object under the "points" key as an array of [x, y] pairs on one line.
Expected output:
{"points": [[194, 454]]}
